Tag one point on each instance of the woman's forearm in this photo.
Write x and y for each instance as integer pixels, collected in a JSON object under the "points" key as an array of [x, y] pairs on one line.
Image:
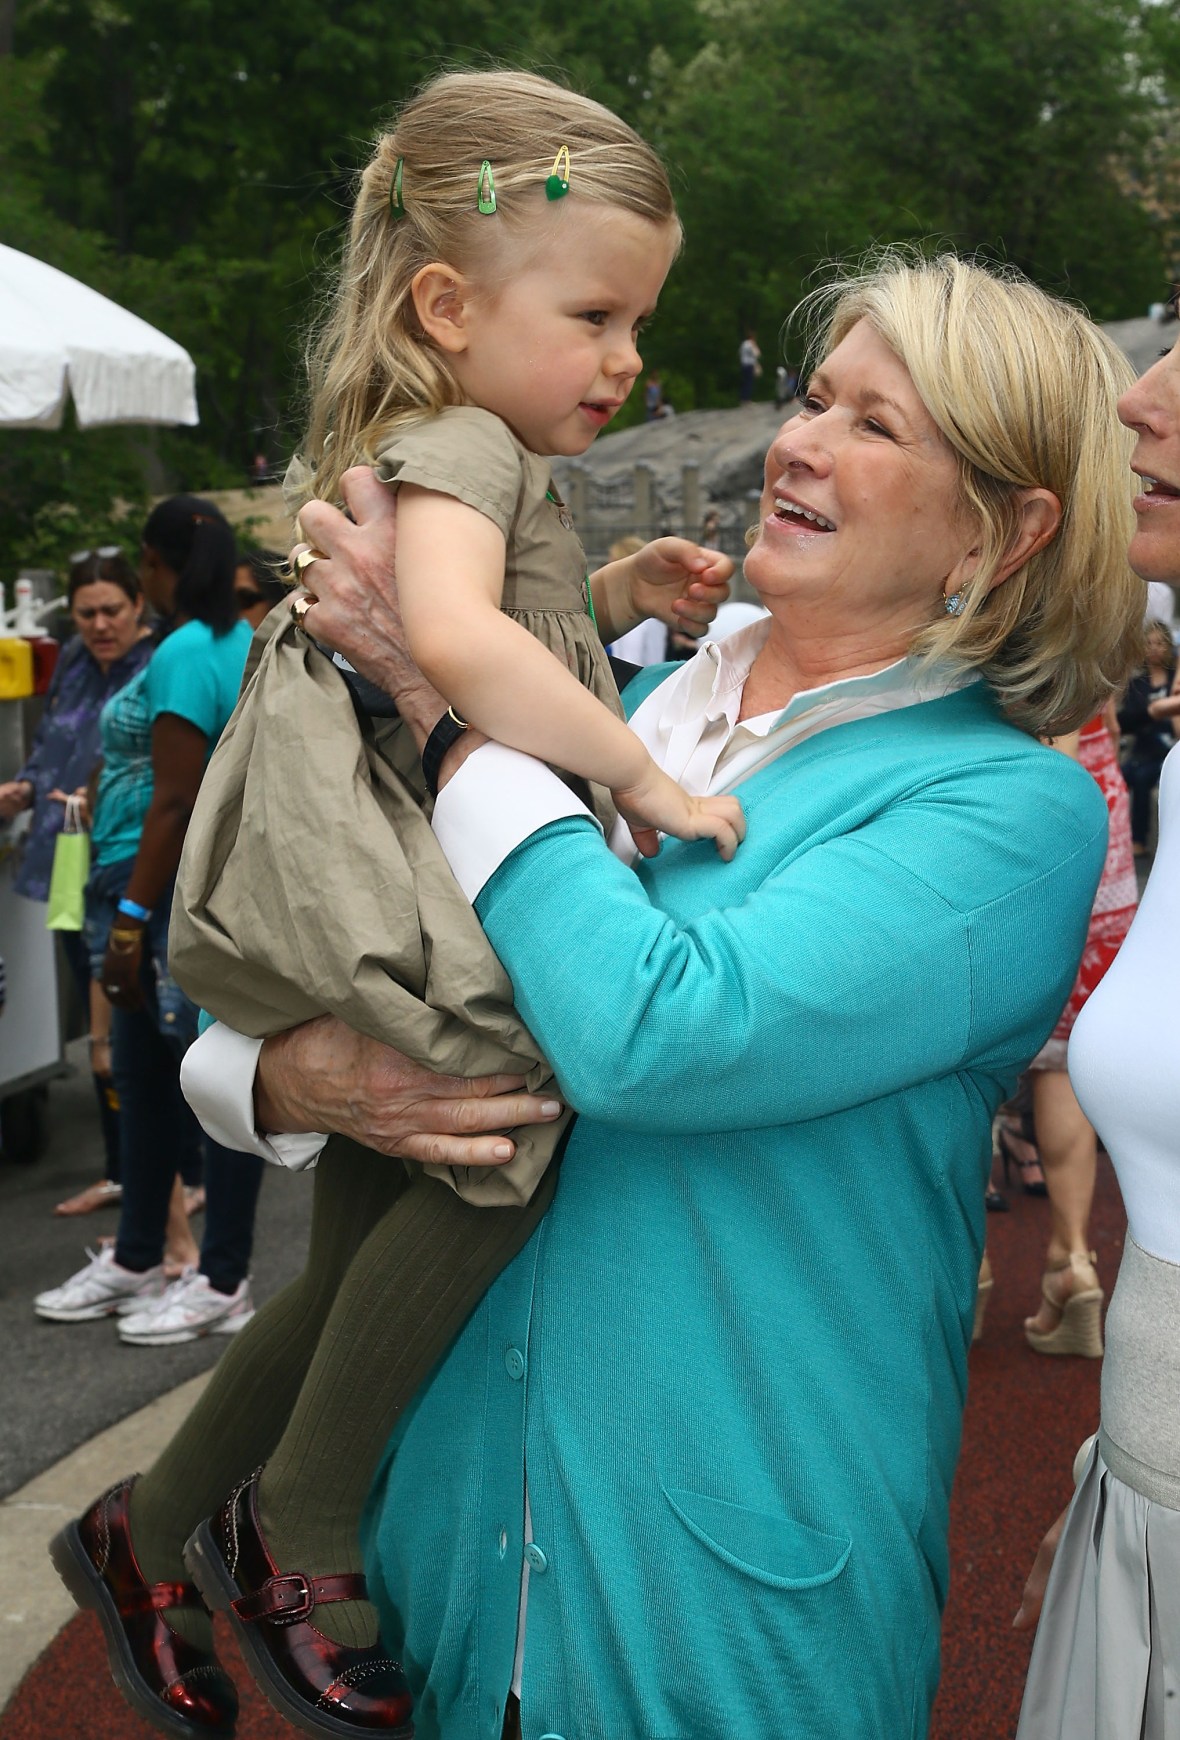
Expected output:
{"points": [[160, 846]]}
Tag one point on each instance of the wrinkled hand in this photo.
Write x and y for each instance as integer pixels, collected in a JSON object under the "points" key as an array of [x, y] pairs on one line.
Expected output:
{"points": [[121, 965], [323, 1076], [1029, 1610], [356, 610], [680, 583]]}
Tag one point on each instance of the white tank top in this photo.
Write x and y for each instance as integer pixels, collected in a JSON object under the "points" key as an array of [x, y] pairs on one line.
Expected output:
{"points": [[1124, 1053]]}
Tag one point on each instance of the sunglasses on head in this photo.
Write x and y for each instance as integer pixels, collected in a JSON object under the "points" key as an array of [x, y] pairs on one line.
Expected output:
{"points": [[104, 552]]}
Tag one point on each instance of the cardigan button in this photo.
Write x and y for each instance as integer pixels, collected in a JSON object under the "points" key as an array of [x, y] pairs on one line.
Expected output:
{"points": [[514, 1363], [535, 1558]]}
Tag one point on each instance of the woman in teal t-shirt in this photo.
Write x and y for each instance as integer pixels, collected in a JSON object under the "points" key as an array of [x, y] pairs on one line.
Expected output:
{"points": [[157, 736]]}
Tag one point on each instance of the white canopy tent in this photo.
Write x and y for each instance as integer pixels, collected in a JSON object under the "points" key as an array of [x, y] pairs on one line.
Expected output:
{"points": [[59, 337]]}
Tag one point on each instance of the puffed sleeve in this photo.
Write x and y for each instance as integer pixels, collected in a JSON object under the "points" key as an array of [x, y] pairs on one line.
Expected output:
{"points": [[463, 452]]}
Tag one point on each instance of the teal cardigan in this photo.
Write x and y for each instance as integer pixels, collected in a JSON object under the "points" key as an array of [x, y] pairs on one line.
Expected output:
{"points": [[734, 1357]]}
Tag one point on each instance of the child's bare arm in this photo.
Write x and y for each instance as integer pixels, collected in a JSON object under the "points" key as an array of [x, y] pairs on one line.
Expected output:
{"points": [[450, 563]]}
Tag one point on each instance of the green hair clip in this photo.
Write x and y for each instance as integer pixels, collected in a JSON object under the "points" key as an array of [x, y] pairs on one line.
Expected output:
{"points": [[485, 189], [557, 184], [396, 208]]}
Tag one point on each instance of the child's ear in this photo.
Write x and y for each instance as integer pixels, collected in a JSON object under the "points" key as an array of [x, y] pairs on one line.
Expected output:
{"points": [[441, 295]]}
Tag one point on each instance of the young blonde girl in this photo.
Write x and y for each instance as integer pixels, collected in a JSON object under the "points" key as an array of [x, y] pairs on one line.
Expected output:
{"points": [[508, 242]]}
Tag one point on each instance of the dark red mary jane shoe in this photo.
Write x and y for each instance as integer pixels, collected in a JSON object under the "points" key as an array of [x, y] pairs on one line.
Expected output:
{"points": [[321, 1686], [175, 1686]]}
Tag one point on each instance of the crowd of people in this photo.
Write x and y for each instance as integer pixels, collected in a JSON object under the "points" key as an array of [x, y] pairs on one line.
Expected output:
{"points": [[605, 998]]}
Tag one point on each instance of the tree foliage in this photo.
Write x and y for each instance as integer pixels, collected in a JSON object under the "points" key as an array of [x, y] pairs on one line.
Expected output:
{"points": [[195, 163]]}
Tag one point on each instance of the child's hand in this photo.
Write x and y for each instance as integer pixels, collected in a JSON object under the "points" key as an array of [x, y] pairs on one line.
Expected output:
{"points": [[679, 582], [656, 804]]}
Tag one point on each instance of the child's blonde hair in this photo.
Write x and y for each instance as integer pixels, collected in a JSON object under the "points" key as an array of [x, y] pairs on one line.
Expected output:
{"points": [[370, 365], [1023, 387]]}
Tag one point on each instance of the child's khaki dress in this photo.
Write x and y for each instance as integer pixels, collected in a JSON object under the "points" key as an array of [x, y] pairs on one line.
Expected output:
{"points": [[311, 880]]}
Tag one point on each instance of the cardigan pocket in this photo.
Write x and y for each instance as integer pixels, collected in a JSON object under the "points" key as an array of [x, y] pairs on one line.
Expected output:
{"points": [[772, 1549]]}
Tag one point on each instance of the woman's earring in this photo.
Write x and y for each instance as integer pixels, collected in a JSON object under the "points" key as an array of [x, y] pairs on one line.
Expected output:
{"points": [[955, 603]]}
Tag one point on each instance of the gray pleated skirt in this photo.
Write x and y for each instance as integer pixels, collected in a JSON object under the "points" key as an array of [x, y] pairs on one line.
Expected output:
{"points": [[1106, 1661]]}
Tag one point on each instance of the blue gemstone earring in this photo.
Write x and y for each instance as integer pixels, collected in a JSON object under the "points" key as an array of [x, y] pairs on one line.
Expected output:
{"points": [[955, 603]]}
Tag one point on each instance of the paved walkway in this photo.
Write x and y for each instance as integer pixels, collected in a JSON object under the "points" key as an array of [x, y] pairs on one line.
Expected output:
{"points": [[81, 1409]]}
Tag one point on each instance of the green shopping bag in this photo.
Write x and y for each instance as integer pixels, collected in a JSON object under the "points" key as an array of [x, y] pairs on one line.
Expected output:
{"points": [[71, 869]]}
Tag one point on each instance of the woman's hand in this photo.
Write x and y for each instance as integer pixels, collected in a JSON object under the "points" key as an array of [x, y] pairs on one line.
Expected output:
{"points": [[81, 796], [356, 610], [122, 964], [15, 795], [1029, 1610], [323, 1076]]}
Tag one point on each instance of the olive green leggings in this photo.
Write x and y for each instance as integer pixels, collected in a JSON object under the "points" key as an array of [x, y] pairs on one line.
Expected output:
{"points": [[313, 1385]]}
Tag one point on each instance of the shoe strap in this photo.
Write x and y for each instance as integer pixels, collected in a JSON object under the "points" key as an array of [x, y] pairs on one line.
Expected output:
{"points": [[155, 1597], [291, 1596]]}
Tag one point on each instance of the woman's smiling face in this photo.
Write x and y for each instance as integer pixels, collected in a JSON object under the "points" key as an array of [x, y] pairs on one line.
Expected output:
{"points": [[860, 511], [1152, 409]]}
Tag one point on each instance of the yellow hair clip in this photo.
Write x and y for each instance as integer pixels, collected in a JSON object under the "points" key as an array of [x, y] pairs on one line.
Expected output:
{"points": [[557, 184]]}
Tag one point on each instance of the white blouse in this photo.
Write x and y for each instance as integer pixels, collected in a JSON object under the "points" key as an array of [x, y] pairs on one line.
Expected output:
{"points": [[1124, 1052]]}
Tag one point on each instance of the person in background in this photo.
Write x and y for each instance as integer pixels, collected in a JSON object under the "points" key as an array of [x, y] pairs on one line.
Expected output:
{"points": [[1151, 737], [749, 366], [257, 587], [1069, 1317], [110, 645], [157, 735]]}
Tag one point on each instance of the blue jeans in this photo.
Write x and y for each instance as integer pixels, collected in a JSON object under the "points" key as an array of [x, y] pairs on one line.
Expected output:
{"points": [[156, 1126]]}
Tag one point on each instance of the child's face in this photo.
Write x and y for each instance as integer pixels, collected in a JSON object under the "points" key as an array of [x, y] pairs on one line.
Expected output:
{"points": [[554, 353]]}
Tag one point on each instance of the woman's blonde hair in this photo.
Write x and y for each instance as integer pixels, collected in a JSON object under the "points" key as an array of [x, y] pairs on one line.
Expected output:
{"points": [[1023, 386], [370, 365]]}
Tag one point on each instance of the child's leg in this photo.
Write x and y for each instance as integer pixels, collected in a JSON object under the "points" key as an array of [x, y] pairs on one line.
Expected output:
{"points": [[411, 1287], [242, 1413]]}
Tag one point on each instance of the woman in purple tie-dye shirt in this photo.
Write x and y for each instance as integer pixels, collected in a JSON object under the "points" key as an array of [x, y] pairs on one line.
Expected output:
{"points": [[110, 646]]}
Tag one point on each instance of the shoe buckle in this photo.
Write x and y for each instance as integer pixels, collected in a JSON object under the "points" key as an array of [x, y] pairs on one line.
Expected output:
{"points": [[288, 1598]]}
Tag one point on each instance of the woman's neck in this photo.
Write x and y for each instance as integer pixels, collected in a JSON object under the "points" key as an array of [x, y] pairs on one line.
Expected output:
{"points": [[789, 664]]}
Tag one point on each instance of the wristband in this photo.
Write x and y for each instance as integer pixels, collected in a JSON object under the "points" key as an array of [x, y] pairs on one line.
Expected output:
{"points": [[132, 909], [446, 733], [124, 942]]}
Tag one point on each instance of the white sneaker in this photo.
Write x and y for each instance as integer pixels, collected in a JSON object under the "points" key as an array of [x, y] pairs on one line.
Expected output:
{"points": [[102, 1289], [186, 1310]]}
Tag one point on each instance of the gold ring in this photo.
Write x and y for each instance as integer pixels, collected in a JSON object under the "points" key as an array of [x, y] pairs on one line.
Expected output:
{"points": [[300, 607], [304, 560]]}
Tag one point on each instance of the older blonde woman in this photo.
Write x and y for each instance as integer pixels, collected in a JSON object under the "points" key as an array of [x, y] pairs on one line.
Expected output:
{"points": [[744, 1322]]}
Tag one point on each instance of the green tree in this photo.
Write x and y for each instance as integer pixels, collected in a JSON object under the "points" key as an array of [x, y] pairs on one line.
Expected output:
{"points": [[807, 129]]}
